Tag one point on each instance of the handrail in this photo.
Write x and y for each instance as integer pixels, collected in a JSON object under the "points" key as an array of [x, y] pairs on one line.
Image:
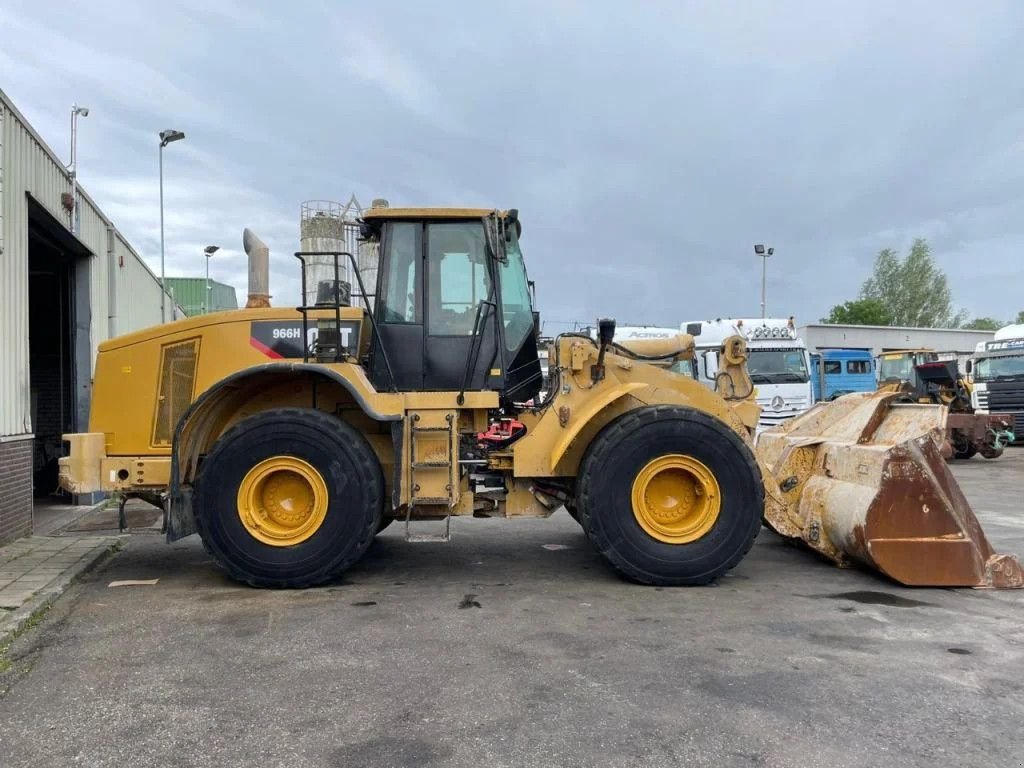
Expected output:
{"points": [[300, 255]]}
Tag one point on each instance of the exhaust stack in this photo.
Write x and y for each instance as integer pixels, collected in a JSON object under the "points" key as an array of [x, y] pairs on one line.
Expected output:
{"points": [[259, 270]]}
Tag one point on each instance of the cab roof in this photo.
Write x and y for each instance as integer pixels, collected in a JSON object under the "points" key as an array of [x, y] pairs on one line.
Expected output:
{"points": [[427, 213]]}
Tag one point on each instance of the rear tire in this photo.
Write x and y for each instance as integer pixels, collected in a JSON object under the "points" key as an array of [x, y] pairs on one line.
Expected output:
{"points": [[622, 455], [346, 475]]}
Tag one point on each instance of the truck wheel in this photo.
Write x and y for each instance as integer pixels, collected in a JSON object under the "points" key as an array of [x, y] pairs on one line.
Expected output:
{"points": [[991, 453], [289, 498], [670, 496]]}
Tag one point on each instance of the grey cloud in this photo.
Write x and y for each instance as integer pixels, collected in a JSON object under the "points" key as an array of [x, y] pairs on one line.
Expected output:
{"points": [[647, 147]]}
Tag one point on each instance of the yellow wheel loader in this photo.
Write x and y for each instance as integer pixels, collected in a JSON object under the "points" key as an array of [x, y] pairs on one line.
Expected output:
{"points": [[287, 438]]}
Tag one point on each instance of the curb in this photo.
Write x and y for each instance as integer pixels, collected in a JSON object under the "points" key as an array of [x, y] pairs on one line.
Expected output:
{"points": [[12, 624]]}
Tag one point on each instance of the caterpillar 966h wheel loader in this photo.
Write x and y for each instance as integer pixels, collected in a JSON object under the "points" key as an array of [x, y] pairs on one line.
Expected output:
{"points": [[289, 437]]}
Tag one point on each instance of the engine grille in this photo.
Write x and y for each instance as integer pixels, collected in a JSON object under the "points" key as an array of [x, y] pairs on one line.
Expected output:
{"points": [[177, 379]]}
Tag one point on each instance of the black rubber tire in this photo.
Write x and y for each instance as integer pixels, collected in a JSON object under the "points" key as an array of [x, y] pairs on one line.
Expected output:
{"points": [[573, 511], [617, 455], [355, 486], [992, 454]]}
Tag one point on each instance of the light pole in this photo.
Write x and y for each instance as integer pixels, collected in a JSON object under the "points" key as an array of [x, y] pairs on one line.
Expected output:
{"points": [[209, 251], [764, 253], [76, 112], [166, 137]]}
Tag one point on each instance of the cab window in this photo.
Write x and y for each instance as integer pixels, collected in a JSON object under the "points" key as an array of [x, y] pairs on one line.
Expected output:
{"points": [[459, 281], [516, 310], [399, 288]]}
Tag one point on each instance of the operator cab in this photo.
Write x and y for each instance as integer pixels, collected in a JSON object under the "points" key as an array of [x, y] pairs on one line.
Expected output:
{"points": [[453, 309]]}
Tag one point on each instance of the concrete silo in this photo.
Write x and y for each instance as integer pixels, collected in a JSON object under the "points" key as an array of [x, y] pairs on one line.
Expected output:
{"points": [[322, 228]]}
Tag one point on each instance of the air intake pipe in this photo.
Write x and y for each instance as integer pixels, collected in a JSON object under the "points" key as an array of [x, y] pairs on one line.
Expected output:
{"points": [[259, 270]]}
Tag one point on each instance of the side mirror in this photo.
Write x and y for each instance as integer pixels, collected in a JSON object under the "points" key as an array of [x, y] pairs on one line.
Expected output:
{"points": [[968, 366]]}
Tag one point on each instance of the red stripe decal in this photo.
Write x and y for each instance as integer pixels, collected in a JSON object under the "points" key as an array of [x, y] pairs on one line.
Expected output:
{"points": [[264, 348]]}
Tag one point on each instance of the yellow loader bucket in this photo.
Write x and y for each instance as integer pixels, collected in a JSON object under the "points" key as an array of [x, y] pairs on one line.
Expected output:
{"points": [[863, 480]]}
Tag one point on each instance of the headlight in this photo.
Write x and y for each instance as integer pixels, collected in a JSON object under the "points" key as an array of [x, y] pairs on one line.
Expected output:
{"points": [[776, 332]]}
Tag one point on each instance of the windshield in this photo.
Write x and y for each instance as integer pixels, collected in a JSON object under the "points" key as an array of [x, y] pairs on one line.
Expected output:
{"points": [[684, 367], [515, 295], [994, 368], [776, 366], [895, 368], [902, 366]]}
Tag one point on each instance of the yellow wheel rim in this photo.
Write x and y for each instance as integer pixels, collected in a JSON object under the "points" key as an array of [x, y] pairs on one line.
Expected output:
{"points": [[676, 499], [282, 501]]}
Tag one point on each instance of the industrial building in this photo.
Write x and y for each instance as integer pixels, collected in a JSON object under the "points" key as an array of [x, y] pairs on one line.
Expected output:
{"points": [[882, 338], [197, 296], [61, 294]]}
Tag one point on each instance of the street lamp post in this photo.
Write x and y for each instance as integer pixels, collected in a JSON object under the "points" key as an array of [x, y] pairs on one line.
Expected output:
{"points": [[209, 251], [166, 137], [764, 253], [76, 112]]}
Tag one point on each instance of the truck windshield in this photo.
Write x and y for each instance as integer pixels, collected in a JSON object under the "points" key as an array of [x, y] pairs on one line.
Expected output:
{"points": [[999, 368], [777, 366]]}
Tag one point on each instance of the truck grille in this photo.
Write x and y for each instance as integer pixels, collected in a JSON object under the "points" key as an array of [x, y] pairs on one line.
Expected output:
{"points": [[1005, 398], [772, 418]]}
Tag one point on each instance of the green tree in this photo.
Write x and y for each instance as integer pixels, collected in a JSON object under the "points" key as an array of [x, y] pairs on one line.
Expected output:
{"points": [[859, 312], [984, 324], [1020, 316], [913, 290]]}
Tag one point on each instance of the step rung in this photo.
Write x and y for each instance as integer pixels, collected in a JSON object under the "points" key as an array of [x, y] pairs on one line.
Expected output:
{"points": [[431, 429], [430, 500], [430, 464], [425, 538]]}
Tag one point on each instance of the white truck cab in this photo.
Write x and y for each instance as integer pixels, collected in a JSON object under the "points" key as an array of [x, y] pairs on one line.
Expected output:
{"points": [[634, 332], [777, 361], [997, 371]]}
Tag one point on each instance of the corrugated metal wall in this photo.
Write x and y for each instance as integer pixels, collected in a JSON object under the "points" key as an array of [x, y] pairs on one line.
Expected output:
{"points": [[137, 290], [190, 294], [27, 165]]}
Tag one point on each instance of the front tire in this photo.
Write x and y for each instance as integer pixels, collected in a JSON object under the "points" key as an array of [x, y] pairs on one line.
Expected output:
{"points": [[289, 498], [670, 495]]}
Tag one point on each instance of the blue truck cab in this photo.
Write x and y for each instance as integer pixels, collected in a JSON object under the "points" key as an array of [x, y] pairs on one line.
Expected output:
{"points": [[836, 372]]}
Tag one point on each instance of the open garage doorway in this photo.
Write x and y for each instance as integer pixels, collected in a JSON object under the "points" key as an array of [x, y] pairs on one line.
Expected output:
{"points": [[58, 308]]}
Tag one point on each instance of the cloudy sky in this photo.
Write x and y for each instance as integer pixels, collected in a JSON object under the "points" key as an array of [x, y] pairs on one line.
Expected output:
{"points": [[647, 145]]}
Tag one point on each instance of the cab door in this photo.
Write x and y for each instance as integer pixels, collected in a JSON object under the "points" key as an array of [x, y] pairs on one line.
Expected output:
{"points": [[461, 315], [399, 310]]}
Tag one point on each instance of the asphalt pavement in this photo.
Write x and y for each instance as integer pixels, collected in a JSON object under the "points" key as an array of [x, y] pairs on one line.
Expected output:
{"points": [[514, 645]]}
